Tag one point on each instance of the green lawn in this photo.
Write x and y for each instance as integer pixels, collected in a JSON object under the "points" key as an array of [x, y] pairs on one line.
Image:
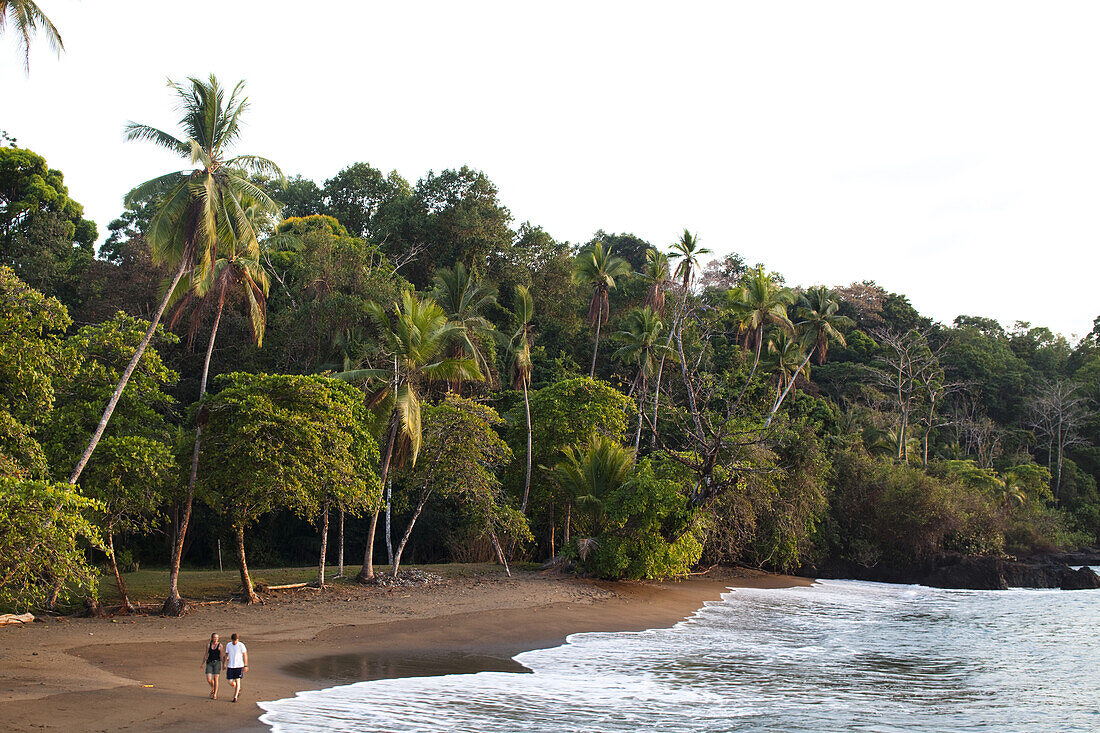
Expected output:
{"points": [[151, 586]]}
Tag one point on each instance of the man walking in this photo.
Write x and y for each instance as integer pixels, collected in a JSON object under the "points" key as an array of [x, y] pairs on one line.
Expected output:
{"points": [[236, 662]]}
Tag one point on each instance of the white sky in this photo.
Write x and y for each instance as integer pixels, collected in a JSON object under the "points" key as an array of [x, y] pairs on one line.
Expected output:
{"points": [[948, 150]]}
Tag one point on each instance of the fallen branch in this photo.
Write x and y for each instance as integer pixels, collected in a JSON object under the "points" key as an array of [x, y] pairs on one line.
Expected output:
{"points": [[12, 619], [283, 587]]}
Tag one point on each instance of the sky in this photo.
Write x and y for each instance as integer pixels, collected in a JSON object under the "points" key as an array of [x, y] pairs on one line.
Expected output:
{"points": [[949, 151]]}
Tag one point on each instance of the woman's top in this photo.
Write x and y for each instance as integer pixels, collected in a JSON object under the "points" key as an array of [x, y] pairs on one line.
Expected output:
{"points": [[214, 653]]}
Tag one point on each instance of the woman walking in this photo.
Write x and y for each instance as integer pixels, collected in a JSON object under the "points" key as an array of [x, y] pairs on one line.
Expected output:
{"points": [[212, 663]]}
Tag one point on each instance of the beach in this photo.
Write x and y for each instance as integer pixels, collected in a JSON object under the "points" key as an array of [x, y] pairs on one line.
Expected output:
{"points": [[143, 672]]}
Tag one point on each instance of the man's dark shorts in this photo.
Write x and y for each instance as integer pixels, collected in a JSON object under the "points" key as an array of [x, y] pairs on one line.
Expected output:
{"points": [[234, 673]]}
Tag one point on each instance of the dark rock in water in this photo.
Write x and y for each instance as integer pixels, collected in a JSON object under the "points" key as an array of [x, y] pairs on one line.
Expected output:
{"points": [[1080, 579], [973, 573], [969, 572]]}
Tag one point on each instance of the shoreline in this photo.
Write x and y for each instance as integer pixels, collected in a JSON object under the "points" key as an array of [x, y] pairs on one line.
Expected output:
{"points": [[143, 673]]}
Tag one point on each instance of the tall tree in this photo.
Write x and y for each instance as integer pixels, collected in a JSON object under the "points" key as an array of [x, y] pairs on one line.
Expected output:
{"points": [[1057, 414], [820, 324], [519, 357], [687, 250], [597, 268], [641, 347], [237, 268], [465, 299], [760, 302], [26, 18], [197, 208], [657, 276], [412, 347]]}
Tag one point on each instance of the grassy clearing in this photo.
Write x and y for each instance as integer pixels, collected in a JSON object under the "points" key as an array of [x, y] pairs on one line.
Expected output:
{"points": [[151, 585]]}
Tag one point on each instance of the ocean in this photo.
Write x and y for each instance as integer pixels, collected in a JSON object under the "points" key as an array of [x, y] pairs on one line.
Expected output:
{"points": [[837, 656]]}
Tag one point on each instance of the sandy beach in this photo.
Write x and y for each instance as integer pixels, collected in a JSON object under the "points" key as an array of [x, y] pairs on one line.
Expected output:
{"points": [[142, 673]]}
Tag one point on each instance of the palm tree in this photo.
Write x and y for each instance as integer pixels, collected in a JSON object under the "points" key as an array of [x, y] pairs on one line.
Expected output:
{"points": [[818, 311], [597, 268], [687, 250], [197, 206], [519, 354], [657, 274], [414, 344], [237, 268], [788, 356], [640, 346], [464, 300], [589, 474], [821, 324], [198, 209], [25, 17], [758, 303]]}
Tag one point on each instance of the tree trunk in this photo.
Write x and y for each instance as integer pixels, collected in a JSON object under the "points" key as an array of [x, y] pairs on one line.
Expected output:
{"points": [[500, 553], [408, 532], [174, 605], [324, 546], [596, 345], [425, 492], [553, 530], [657, 401], [366, 573], [527, 477], [103, 420], [242, 563], [565, 529], [783, 396], [340, 550], [687, 381], [126, 605], [389, 513], [641, 409]]}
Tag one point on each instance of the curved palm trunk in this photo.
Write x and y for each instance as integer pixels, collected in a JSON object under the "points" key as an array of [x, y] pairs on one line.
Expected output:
{"points": [[641, 409], [174, 605], [661, 370], [687, 382], [596, 346], [109, 410], [527, 478], [783, 396], [242, 563], [126, 605], [759, 338], [366, 573], [324, 546]]}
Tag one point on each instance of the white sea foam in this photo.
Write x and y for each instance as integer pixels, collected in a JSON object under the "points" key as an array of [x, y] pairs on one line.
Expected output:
{"points": [[839, 656]]}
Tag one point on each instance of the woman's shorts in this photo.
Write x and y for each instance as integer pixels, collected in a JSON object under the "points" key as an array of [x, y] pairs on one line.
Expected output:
{"points": [[214, 668], [234, 673]]}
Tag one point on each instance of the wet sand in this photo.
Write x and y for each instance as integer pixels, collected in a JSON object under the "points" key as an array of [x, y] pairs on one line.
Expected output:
{"points": [[144, 673]]}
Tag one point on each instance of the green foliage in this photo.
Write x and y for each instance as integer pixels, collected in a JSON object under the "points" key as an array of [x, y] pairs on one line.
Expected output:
{"points": [[635, 521], [568, 412], [44, 531], [319, 309], [92, 361], [282, 441], [893, 512], [29, 352], [43, 234], [462, 456]]}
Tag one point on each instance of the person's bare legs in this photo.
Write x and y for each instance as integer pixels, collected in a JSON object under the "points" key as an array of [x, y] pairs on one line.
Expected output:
{"points": [[236, 687], [213, 682]]}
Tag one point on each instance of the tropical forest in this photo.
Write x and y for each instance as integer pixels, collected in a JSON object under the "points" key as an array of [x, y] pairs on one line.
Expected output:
{"points": [[391, 372]]}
